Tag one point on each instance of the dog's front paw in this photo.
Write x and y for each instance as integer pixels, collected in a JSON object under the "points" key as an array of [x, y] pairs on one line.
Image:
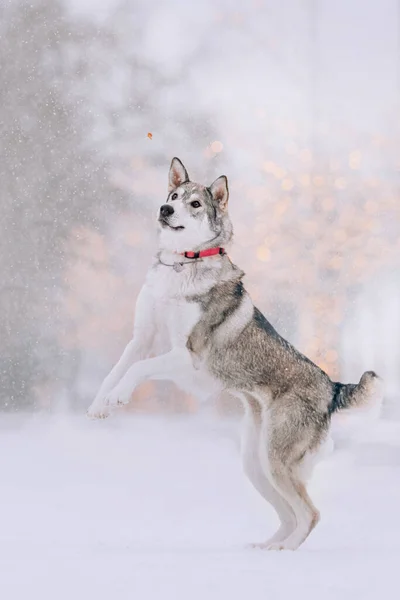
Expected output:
{"points": [[98, 410], [118, 396]]}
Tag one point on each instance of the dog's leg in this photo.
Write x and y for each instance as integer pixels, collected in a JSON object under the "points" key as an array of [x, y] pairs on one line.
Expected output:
{"points": [[138, 348], [285, 476], [294, 490], [99, 409], [167, 366], [254, 471]]}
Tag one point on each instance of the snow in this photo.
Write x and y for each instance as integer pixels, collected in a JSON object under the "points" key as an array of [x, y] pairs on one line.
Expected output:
{"points": [[157, 507]]}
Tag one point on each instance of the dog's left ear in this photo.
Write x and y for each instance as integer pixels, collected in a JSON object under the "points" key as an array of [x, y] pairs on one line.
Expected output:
{"points": [[177, 174], [220, 192]]}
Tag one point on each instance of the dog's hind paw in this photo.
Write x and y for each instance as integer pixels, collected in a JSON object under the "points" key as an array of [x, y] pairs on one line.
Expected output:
{"points": [[271, 546], [256, 546], [278, 546]]}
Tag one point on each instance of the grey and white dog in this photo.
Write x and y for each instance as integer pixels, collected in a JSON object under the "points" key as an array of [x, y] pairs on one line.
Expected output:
{"points": [[196, 325]]}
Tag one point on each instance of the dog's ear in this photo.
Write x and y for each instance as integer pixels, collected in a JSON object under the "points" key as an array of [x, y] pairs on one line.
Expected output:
{"points": [[177, 174], [220, 192]]}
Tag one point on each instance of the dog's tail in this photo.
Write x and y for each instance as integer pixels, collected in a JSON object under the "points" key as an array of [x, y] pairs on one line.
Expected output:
{"points": [[366, 396]]}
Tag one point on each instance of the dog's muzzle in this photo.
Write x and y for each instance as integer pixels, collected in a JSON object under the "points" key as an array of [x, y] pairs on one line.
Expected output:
{"points": [[166, 211]]}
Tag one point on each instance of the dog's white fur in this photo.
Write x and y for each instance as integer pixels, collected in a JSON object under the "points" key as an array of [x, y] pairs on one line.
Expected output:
{"points": [[163, 322], [163, 317]]}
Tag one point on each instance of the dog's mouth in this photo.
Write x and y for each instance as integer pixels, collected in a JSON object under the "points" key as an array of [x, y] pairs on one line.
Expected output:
{"points": [[165, 223]]}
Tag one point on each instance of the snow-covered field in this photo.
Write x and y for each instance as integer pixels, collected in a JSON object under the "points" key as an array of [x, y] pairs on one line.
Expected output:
{"points": [[151, 508]]}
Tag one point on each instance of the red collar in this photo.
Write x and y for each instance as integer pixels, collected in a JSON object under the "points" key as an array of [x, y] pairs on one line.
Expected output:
{"points": [[208, 252]]}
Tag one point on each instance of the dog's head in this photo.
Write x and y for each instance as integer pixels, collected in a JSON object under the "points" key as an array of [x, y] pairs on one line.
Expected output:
{"points": [[194, 217]]}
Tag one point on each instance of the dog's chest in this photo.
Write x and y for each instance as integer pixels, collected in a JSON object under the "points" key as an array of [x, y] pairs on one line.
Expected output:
{"points": [[176, 315], [181, 317]]}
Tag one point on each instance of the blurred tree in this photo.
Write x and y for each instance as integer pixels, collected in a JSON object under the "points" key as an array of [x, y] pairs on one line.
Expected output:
{"points": [[50, 182], [331, 228]]}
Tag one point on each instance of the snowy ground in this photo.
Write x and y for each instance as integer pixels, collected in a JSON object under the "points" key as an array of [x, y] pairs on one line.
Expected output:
{"points": [[151, 508]]}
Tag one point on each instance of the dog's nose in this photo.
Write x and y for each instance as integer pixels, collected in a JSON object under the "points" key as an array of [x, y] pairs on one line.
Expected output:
{"points": [[166, 210]]}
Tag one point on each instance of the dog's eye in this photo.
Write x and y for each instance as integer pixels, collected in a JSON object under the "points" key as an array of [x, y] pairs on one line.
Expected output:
{"points": [[174, 196], [195, 204]]}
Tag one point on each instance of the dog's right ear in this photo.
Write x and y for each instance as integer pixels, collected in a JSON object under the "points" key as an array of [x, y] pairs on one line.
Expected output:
{"points": [[177, 174]]}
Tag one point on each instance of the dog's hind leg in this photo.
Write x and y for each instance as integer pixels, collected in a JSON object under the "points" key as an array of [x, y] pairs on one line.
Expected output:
{"points": [[294, 490], [254, 471], [283, 470]]}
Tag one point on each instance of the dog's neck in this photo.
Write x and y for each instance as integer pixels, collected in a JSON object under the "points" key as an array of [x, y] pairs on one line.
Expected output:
{"points": [[211, 269], [170, 258], [191, 255]]}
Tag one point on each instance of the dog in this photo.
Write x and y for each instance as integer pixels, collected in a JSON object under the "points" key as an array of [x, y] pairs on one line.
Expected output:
{"points": [[195, 324]]}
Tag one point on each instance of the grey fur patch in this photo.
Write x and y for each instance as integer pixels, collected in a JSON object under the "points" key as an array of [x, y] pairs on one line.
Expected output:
{"points": [[255, 359]]}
